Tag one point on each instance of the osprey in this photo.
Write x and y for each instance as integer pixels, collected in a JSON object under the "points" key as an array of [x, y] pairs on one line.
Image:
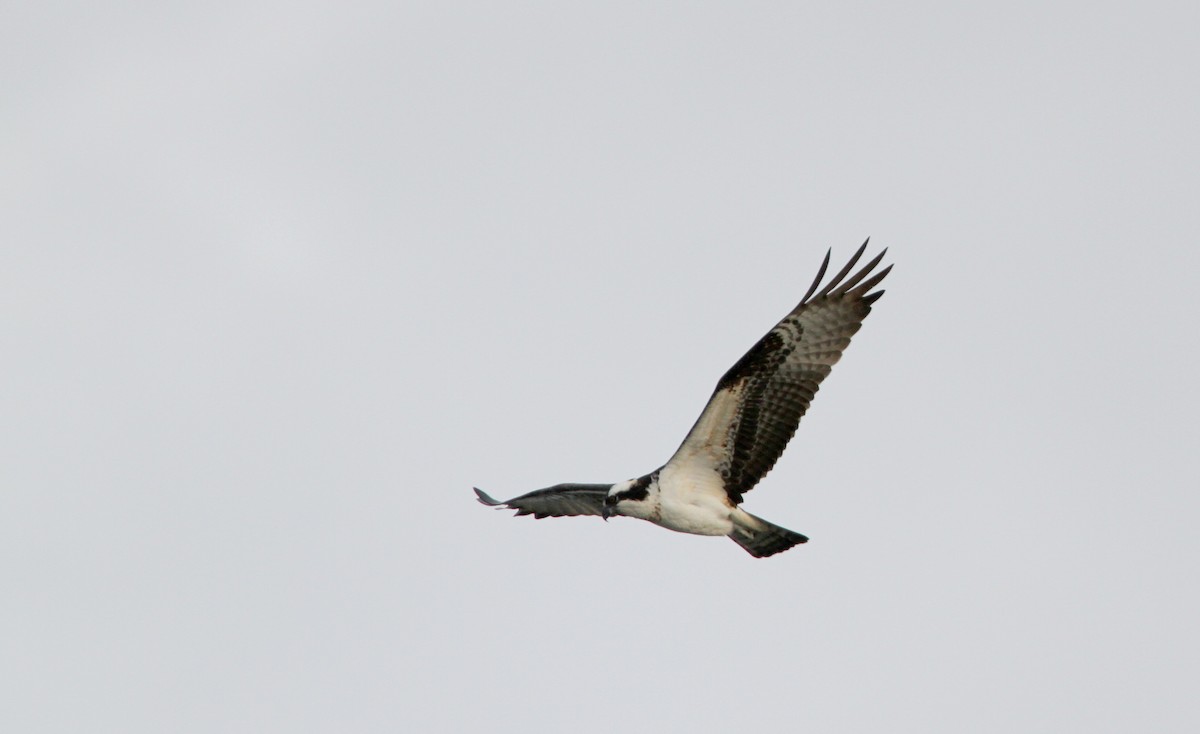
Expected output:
{"points": [[748, 421]]}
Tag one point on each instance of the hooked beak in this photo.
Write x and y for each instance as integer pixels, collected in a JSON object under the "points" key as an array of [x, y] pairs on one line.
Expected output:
{"points": [[608, 511]]}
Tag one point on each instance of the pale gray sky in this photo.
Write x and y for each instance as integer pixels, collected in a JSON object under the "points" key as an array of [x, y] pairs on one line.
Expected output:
{"points": [[281, 281]]}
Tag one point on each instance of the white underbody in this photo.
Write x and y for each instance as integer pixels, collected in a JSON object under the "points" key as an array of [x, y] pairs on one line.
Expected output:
{"points": [[693, 500], [688, 497]]}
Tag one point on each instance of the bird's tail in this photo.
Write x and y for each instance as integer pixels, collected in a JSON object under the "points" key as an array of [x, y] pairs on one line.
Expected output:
{"points": [[761, 538]]}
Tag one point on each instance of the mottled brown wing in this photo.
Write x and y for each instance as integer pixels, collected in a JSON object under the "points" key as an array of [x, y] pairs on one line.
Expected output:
{"points": [[758, 404]]}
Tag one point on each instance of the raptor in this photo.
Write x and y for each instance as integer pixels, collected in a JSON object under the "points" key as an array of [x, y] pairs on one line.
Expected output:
{"points": [[743, 430]]}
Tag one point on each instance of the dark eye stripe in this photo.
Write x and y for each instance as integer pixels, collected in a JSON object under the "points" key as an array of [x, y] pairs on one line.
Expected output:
{"points": [[637, 492]]}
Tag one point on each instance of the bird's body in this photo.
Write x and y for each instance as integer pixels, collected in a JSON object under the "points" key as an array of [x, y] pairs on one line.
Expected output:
{"points": [[684, 498], [750, 418]]}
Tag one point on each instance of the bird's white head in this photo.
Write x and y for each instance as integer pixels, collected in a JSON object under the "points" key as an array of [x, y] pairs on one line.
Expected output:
{"points": [[633, 498]]}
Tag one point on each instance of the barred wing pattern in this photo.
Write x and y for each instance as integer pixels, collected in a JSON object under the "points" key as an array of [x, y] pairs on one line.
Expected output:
{"points": [[758, 404], [560, 500]]}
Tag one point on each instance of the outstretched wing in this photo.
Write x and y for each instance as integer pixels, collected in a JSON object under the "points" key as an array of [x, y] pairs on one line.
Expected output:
{"points": [[560, 500], [759, 402]]}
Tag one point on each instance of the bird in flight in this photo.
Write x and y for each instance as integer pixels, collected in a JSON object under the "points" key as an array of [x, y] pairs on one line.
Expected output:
{"points": [[748, 421]]}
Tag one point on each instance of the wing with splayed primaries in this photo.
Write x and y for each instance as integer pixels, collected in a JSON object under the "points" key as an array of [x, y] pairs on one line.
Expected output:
{"points": [[560, 500], [759, 402]]}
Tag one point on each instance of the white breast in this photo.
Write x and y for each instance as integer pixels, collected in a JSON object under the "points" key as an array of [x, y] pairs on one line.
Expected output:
{"points": [[693, 500]]}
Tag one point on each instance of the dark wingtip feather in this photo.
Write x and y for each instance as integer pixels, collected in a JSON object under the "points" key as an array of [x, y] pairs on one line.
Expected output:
{"points": [[820, 274], [872, 282], [862, 273], [486, 498], [837, 279]]}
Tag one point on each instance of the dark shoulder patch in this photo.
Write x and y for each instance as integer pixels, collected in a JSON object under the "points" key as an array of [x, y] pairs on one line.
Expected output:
{"points": [[765, 353]]}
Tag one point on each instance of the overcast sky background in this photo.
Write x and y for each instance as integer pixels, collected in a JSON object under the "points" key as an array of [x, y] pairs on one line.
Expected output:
{"points": [[281, 281]]}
